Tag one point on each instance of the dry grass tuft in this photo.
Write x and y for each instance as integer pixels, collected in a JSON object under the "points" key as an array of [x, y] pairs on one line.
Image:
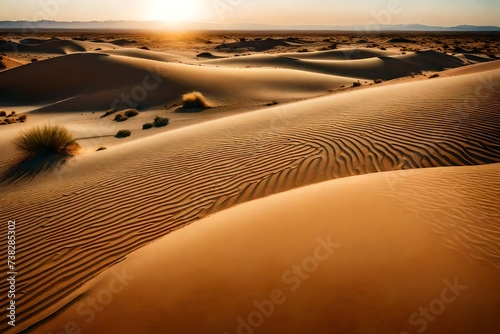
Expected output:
{"points": [[47, 139], [194, 100], [120, 118], [123, 134], [131, 112]]}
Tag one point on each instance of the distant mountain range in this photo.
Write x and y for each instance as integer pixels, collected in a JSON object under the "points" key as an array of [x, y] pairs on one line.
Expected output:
{"points": [[158, 25]]}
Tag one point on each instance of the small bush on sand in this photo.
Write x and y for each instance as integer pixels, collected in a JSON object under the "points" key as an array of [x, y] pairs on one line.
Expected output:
{"points": [[3, 114], [109, 112], [23, 118], [194, 100], [160, 122], [131, 112], [434, 76], [102, 148], [147, 126], [34, 60], [123, 134], [377, 81], [120, 118], [356, 84], [9, 121], [48, 139]]}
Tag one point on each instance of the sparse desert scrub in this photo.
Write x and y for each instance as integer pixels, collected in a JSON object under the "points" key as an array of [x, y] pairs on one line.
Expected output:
{"points": [[194, 100], [102, 148], [47, 139], [123, 134], [3, 114], [377, 81], [109, 112], [131, 112], [160, 122], [23, 118], [356, 84], [146, 126], [120, 118], [434, 76]]}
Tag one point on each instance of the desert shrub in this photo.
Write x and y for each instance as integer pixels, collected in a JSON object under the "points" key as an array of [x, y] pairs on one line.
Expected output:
{"points": [[160, 122], [123, 134], [147, 126], [109, 112], [12, 113], [48, 139], [434, 76], [194, 100], [23, 118], [356, 84], [3, 114], [102, 148], [120, 118], [9, 121], [33, 60], [131, 112], [377, 81]]}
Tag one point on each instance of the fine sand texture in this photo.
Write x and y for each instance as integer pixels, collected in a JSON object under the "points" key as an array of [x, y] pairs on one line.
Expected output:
{"points": [[397, 252], [97, 208]]}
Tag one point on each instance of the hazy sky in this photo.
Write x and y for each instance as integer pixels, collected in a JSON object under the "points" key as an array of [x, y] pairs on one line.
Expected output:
{"points": [[317, 12]]}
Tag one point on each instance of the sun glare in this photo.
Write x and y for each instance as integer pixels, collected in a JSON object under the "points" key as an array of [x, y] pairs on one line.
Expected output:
{"points": [[171, 10]]}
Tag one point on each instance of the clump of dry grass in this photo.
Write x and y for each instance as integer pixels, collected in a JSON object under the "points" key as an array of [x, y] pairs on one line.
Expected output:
{"points": [[109, 112], [123, 134], [120, 118], [194, 100], [23, 118], [146, 126], [47, 139], [131, 112], [160, 122], [3, 113]]}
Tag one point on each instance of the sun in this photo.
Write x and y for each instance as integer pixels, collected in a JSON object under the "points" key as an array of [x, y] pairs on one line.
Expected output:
{"points": [[171, 10]]}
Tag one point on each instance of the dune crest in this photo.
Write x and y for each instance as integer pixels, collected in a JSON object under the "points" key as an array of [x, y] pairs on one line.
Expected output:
{"points": [[356, 255]]}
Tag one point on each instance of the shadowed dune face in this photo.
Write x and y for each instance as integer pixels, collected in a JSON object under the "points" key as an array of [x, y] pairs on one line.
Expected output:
{"points": [[98, 79], [357, 255], [176, 178]]}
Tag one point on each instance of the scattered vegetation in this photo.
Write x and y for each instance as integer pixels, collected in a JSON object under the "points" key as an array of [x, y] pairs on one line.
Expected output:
{"points": [[131, 112], [356, 84], [194, 100], [120, 118], [147, 126], [33, 60], [272, 103], [48, 139], [377, 81], [3, 114], [22, 118], [160, 122], [434, 76], [123, 134], [102, 148], [109, 112]]}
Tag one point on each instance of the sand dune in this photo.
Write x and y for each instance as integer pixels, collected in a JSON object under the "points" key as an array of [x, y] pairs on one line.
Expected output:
{"points": [[343, 54], [98, 79], [369, 257], [101, 206], [365, 65], [54, 46], [264, 44]]}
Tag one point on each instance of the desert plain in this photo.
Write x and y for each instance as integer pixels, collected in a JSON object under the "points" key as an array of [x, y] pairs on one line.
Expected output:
{"points": [[319, 182]]}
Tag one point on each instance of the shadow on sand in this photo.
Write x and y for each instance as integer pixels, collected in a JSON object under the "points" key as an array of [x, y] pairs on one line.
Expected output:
{"points": [[29, 167]]}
